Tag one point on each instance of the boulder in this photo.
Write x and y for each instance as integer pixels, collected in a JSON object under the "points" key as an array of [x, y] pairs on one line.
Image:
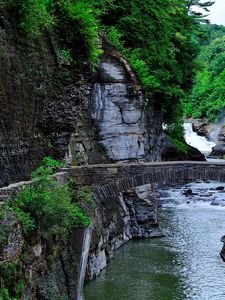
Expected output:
{"points": [[218, 150], [220, 188], [189, 192], [221, 137], [201, 126], [171, 153]]}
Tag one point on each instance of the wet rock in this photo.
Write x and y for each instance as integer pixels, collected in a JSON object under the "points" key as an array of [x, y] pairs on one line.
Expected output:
{"points": [[117, 110], [171, 153], [222, 253], [189, 192], [218, 151], [220, 188], [133, 215], [202, 126], [221, 136], [209, 194]]}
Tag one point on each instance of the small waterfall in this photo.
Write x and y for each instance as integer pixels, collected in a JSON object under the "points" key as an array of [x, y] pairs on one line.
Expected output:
{"points": [[83, 261], [196, 141], [97, 102], [69, 157]]}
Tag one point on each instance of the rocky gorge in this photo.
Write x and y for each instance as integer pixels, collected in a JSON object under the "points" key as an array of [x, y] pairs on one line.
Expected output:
{"points": [[84, 119], [54, 107]]}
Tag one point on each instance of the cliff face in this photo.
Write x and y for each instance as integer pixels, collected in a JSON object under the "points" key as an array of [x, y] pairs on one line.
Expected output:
{"points": [[46, 106], [47, 270], [117, 110], [40, 96], [117, 220], [52, 269], [50, 106]]}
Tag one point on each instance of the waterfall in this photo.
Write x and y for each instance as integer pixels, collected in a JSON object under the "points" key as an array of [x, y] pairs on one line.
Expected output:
{"points": [[97, 102], [83, 261], [196, 141]]}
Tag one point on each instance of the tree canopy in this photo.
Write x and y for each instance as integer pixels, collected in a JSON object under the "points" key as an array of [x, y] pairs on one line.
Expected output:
{"points": [[208, 95]]}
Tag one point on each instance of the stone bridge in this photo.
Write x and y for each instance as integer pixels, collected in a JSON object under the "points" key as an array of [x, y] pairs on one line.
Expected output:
{"points": [[109, 180]]}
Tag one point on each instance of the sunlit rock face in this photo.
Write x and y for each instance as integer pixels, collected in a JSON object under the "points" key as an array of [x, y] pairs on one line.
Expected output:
{"points": [[117, 111]]}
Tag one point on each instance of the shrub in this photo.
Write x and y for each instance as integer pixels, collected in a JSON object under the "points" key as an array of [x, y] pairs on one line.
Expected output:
{"points": [[65, 55], [47, 205], [175, 134]]}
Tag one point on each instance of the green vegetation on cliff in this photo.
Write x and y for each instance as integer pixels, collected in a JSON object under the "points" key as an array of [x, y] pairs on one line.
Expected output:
{"points": [[47, 211], [155, 36], [159, 38], [83, 15], [208, 95]]}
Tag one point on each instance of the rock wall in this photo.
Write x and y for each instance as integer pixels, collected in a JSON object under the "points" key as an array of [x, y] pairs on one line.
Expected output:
{"points": [[48, 270], [40, 96], [219, 150], [132, 215], [117, 110], [54, 107]]}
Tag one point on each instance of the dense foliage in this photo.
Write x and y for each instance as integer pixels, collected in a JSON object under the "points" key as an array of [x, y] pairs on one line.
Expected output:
{"points": [[208, 95], [83, 15], [159, 39]]}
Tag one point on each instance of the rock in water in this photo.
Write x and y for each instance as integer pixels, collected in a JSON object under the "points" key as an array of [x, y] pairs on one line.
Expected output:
{"points": [[218, 151], [220, 188], [222, 252]]}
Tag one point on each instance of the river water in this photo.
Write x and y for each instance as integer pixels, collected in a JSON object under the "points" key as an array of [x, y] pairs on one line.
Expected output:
{"points": [[183, 265]]}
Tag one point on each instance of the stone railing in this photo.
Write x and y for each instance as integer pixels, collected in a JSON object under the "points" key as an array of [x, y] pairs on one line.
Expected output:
{"points": [[111, 179]]}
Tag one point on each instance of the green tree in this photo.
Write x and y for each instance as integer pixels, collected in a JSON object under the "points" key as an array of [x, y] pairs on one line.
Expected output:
{"points": [[208, 95]]}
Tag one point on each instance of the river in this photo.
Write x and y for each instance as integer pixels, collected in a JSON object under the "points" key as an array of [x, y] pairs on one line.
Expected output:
{"points": [[185, 264]]}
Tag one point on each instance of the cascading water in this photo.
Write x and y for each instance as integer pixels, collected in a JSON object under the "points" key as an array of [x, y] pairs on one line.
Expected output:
{"points": [[83, 261], [196, 141]]}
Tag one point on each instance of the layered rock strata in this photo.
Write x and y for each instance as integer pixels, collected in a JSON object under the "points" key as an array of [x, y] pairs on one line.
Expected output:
{"points": [[117, 110]]}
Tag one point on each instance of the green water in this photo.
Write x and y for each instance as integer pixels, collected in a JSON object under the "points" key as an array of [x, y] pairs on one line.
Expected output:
{"points": [[184, 265]]}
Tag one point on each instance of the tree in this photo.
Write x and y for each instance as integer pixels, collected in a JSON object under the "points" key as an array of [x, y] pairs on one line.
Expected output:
{"points": [[203, 6], [208, 95]]}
